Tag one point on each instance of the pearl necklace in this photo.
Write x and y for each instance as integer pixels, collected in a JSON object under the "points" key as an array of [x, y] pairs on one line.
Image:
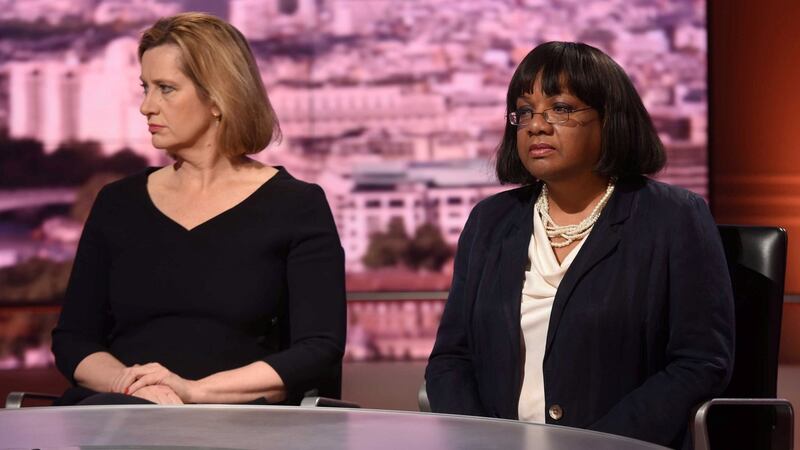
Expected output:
{"points": [[570, 233]]}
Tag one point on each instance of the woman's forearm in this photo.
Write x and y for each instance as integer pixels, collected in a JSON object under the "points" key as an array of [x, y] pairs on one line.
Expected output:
{"points": [[100, 372], [241, 385]]}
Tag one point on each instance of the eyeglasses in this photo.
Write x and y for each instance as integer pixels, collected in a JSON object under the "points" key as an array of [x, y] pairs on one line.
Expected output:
{"points": [[557, 115]]}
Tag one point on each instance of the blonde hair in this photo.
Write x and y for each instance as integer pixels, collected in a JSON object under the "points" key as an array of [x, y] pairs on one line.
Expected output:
{"points": [[218, 60]]}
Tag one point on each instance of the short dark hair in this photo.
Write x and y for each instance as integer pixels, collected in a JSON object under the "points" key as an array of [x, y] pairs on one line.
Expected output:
{"points": [[629, 143]]}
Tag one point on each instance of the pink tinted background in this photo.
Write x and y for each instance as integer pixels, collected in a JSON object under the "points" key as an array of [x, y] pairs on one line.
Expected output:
{"points": [[394, 107]]}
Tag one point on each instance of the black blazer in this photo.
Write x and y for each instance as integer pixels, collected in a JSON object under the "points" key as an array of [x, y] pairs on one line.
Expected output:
{"points": [[641, 328]]}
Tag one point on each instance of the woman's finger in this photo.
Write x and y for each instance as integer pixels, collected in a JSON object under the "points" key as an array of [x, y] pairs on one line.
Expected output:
{"points": [[146, 380], [121, 381], [127, 380], [124, 382]]}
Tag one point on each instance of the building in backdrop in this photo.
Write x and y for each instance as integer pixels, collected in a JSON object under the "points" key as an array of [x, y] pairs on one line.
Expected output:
{"points": [[394, 107]]}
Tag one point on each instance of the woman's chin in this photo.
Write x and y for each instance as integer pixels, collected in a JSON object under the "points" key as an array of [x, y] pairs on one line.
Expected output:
{"points": [[540, 170], [168, 149], [162, 142]]}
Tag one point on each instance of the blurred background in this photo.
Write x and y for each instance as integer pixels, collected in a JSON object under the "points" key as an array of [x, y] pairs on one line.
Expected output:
{"points": [[394, 107]]}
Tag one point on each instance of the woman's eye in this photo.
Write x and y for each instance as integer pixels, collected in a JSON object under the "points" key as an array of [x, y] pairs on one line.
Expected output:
{"points": [[524, 111], [166, 89], [144, 87], [563, 109]]}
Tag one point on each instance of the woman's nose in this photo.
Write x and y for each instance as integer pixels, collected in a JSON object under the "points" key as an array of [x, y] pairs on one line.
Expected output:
{"points": [[148, 105], [539, 125]]}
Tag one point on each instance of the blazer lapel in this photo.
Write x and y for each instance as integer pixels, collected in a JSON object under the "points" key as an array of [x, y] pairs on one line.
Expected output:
{"points": [[512, 261], [602, 241], [511, 273]]}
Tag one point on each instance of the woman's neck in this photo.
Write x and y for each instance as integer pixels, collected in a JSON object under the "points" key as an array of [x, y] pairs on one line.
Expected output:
{"points": [[202, 172], [575, 198]]}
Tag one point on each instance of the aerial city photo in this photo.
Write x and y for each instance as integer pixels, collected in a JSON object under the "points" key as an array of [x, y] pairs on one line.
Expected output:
{"points": [[394, 107]]}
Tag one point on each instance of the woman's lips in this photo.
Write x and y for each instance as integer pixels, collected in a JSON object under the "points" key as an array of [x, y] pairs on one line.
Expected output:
{"points": [[540, 150], [154, 128]]}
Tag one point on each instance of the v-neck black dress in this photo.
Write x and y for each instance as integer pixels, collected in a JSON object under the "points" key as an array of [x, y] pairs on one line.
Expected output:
{"points": [[263, 280]]}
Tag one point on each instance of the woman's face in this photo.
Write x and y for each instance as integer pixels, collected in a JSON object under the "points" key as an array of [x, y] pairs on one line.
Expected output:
{"points": [[176, 115], [552, 152]]}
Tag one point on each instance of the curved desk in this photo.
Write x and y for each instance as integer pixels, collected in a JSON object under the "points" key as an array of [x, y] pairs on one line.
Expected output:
{"points": [[282, 427]]}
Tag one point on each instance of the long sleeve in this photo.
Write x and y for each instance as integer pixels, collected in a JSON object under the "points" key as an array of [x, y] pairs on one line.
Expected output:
{"points": [[84, 324], [450, 376], [699, 351], [316, 297]]}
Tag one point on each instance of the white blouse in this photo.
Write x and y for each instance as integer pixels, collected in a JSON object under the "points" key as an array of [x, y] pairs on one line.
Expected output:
{"points": [[538, 292]]}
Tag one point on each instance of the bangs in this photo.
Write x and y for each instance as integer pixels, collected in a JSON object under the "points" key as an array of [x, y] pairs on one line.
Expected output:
{"points": [[562, 66]]}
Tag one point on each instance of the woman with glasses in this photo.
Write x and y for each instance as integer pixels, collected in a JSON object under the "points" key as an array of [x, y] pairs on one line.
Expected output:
{"points": [[592, 296]]}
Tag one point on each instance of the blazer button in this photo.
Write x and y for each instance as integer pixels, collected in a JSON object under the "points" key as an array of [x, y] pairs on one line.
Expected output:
{"points": [[555, 412]]}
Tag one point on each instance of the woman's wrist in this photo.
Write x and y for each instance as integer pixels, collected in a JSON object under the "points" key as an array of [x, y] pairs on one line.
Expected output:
{"points": [[196, 392]]}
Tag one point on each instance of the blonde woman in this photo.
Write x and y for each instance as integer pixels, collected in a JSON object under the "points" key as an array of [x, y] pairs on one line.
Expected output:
{"points": [[216, 279]]}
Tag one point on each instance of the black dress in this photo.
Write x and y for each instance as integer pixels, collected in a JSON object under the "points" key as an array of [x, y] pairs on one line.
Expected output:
{"points": [[263, 280]]}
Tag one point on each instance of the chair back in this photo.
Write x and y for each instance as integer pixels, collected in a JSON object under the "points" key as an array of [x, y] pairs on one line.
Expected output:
{"points": [[756, 259], [757, 264]]}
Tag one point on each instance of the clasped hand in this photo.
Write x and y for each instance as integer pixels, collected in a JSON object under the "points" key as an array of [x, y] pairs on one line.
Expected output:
{"points": [[155, 383]]}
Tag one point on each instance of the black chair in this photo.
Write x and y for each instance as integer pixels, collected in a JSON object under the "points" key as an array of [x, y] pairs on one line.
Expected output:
{"points": [[749, 416]]}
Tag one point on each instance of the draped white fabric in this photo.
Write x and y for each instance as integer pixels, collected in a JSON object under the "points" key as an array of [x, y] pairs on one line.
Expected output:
{"points": [[541, 282]]}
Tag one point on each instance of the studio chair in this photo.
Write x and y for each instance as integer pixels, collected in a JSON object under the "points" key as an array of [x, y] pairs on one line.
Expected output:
{"points": [[16, 399], [422, 398], [749, 416], [329, 393]]}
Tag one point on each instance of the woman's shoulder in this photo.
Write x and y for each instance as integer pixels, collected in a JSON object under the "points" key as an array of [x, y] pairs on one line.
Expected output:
{"points": [[294, 191], [494, 215], [520, 197], [664, 195], [125, 188], [666, 207], [295, 201], [115, 199], [286, 181]]}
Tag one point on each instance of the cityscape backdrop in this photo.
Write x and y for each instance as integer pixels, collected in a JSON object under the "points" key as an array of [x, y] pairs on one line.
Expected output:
{"points": [[394, 107]]}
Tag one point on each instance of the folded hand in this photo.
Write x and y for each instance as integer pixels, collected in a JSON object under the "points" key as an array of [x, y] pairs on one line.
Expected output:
{"points": [[156, 374]]}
